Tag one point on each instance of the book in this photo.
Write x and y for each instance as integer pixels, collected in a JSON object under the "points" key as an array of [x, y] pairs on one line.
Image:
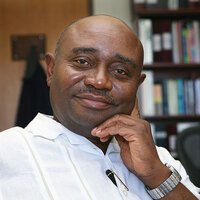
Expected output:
{"points": [[156, 4], [157, 40], [179, 25], [196, 42], [165, 96], [172, 97], [146, 94], [184, 35], [171, 130], [189, 97], [166, 41], [160, 134], [145, 36], [175, 43], [189, 41], [197, 95], [138, 4], [183, 3], [158, 102], [180, 93], [173, 4]]}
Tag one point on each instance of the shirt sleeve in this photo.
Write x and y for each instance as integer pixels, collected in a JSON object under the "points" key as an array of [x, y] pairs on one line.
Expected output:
{"points": [[166, 157]]}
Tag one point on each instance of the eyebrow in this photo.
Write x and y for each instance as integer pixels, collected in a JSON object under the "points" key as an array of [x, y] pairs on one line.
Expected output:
{"points": [[80, 50], [125, 59]]}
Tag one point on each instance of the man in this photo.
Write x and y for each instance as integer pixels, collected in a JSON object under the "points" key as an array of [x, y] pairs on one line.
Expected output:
{"points": [[92, 148]]}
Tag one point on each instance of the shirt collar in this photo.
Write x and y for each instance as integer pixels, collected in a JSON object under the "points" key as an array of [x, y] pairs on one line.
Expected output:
{"points": [[45, 126]]}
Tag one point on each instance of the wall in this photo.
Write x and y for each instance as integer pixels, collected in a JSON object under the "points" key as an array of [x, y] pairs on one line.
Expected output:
{"points": [[28, 17], [118, 8]]}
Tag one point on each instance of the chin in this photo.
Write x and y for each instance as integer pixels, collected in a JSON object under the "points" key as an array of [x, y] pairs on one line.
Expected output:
{"points": [[91, 121]]}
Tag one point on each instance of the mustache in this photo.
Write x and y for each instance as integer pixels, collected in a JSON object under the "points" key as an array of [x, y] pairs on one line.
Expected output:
{"points": [[104, 93]]}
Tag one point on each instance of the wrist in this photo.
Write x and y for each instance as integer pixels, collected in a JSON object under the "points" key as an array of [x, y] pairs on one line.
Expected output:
{"points": [[166, 186], [157, 176]]}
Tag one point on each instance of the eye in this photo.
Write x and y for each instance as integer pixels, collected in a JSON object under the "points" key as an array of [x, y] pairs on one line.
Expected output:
{"points": [[82, 61], [120, 71]]}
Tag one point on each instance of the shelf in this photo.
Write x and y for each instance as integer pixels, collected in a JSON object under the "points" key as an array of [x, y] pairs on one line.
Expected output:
{"points": [[166, 119], [172, 14], [172, 66], [169, 70]]}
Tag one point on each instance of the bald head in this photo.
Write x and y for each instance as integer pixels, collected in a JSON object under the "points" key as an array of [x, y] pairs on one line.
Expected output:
{"points": [[101, 23]]}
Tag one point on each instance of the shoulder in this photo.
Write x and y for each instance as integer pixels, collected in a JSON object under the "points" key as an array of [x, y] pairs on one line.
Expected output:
{"points": [[10, 137], [11, 132]]}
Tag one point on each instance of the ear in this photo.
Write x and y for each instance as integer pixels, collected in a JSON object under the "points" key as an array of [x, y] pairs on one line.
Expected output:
{"points": [[142, 78], [50, 64]]}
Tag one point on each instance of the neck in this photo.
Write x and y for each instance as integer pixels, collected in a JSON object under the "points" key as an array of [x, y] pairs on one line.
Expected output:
{"points": [[84, 132], [102, 145]]}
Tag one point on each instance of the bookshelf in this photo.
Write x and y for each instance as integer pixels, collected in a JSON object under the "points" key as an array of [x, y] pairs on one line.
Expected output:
{"points": [[164, 12], [176, 62]]}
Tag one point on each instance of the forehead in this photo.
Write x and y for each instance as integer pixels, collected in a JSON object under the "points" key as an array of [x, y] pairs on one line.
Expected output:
{"points": [[100, 29], [108, 36]]}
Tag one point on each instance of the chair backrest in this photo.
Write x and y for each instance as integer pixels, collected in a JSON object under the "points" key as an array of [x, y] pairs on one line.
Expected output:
{"points": [[188, 148]]}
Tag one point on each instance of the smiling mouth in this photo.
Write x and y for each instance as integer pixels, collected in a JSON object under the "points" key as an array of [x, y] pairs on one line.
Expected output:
{"points": [[93, 101]]}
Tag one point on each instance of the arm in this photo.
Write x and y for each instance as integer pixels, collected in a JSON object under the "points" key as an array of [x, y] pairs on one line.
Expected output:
{"points": [[134, 137]]}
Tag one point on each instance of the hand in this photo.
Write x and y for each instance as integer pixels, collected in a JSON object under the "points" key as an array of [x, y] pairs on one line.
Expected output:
{"points": [[138, 150]]}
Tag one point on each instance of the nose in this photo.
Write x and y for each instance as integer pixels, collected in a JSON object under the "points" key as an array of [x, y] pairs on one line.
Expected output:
{"points": [[99, 78]]}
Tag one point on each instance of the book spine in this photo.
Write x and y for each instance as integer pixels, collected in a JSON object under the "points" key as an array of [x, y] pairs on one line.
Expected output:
{"points": [[158, 102], [157, 40], [145, 35], [179, 41], [164, 97], [146, 92], [175, 43], [196, 41], [197, 96], [156, 4], [180, 91], [173, 4], [172, 97], [183, 3], [138, 4], [184, 32], [166, 41]]}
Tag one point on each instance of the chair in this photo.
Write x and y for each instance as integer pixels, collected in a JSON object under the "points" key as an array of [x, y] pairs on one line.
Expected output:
{"points": [[188, 148]]}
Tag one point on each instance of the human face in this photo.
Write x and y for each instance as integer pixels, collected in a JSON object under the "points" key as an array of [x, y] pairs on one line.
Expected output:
{"points": [[95, 76]]}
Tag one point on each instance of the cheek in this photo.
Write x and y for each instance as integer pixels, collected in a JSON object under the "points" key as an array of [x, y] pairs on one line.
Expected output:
{"points": [[67, 78], [63, 86], [126, 93]]}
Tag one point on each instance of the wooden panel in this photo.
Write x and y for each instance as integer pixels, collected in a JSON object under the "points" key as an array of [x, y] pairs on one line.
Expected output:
{"points": [[28, 17]]}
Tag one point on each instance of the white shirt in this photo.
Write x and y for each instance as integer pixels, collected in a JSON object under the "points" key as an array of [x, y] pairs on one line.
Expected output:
{"points": [[46, 161]]}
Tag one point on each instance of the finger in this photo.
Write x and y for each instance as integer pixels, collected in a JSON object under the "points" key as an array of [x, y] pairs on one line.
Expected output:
{"points": [[136, 111], [124, 132], [105, 139], [115, 121]]}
